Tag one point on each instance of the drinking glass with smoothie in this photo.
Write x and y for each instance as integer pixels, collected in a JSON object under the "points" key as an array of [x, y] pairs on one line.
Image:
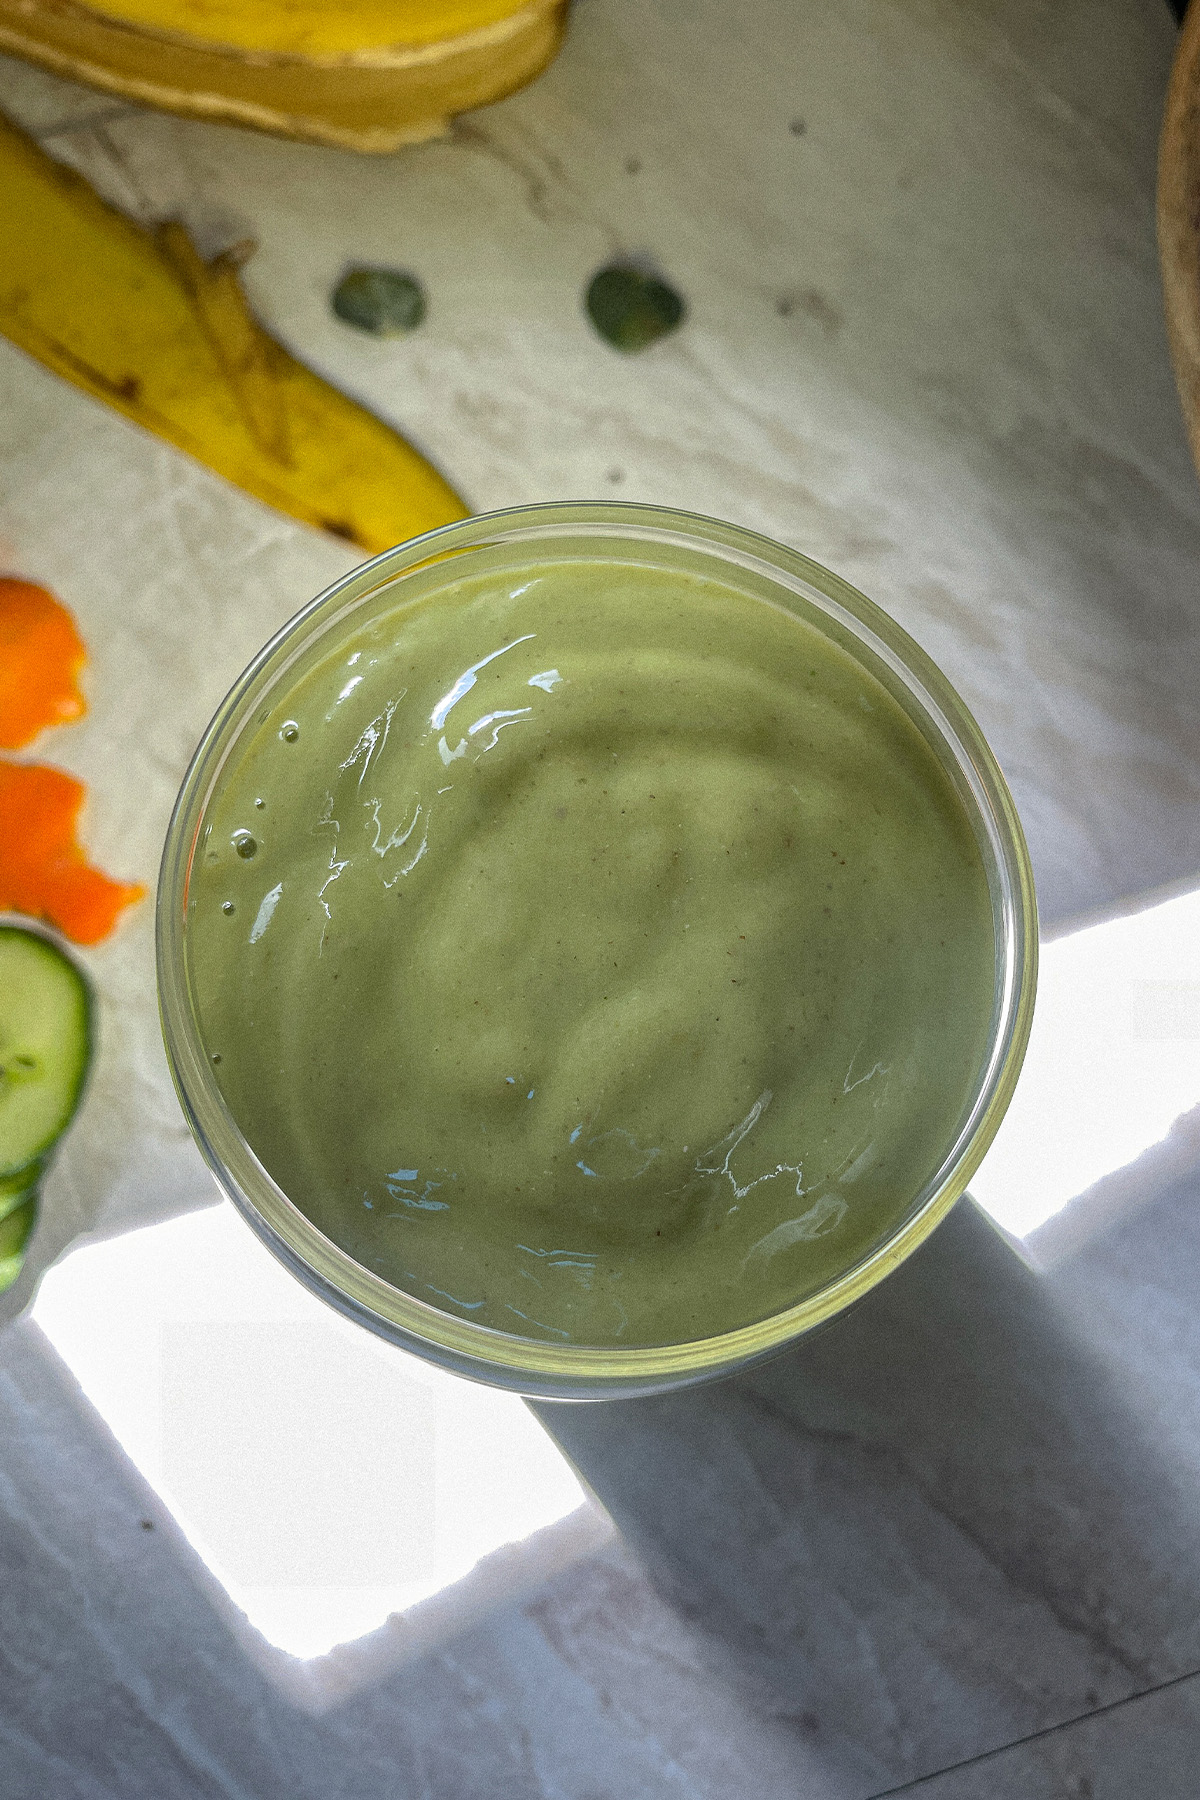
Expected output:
{"points": [[595, 946]]}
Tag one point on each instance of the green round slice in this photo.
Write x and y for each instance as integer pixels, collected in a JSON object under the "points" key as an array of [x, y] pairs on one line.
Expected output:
{"points": [[15, 1189], [16, 1229], [45, 1048]]}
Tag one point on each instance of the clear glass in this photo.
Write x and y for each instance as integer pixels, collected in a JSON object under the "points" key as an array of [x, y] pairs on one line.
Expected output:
{"points": [[630, 535]]}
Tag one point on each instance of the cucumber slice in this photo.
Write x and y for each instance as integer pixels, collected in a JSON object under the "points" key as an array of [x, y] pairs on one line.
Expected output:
{"points": [[45, 1048], [16, 1230], [14, 1189]]}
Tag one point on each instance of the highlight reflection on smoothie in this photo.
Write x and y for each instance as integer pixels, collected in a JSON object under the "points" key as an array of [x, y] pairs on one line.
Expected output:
{"points": [[615, 960]]}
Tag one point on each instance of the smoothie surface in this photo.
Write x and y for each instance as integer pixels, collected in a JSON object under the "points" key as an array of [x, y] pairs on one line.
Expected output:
{"points": [[598, 952]]}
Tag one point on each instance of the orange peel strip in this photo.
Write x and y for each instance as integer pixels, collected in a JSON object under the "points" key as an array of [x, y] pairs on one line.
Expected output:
{"points": [[43, 870], [41, 654]]}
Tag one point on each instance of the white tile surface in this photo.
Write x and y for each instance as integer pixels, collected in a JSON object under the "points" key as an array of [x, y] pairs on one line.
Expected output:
{"points": [[1149, 1746], [124, 1674], [950, 1519], [1106, 1112], [962, 1514], [327, 1479]]}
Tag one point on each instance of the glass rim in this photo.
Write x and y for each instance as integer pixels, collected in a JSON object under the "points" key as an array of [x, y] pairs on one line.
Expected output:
{"points": [[529, 1366]]}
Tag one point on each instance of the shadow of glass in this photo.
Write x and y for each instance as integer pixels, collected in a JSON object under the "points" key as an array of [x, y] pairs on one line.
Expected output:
{"points": [[931, 1528]]}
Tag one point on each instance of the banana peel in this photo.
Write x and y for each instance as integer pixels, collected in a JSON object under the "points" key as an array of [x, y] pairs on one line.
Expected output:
{"points": [[306, 27], [139, 319], [366, 75]]}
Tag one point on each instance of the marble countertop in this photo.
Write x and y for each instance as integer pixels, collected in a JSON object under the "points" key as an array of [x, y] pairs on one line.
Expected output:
{"points": [[924, 344]]}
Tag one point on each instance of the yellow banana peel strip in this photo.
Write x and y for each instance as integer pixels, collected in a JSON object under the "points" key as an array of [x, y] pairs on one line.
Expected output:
{"points": [[311, 28], [368, 76], [137, 318]]}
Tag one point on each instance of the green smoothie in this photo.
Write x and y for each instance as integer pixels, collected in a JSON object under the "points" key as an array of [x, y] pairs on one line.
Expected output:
{"points": [[596, 952]]}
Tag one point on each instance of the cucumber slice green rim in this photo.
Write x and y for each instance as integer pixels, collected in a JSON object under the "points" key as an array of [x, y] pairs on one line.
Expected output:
{"points": [[16, 1228], [15, 1189], [46, 1036]]}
